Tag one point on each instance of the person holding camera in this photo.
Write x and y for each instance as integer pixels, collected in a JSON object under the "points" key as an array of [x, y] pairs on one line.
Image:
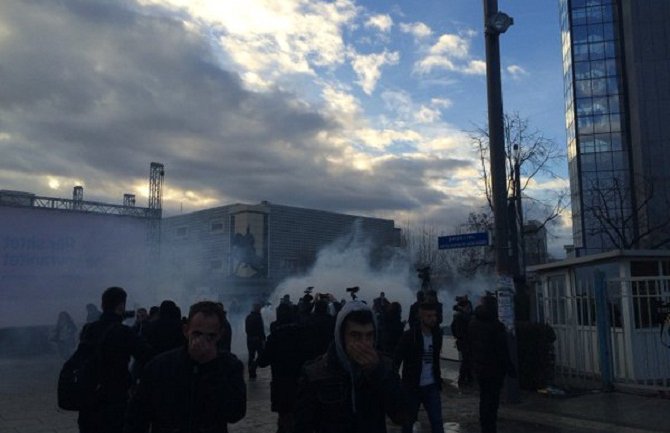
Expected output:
{"points": [[117, 343]]}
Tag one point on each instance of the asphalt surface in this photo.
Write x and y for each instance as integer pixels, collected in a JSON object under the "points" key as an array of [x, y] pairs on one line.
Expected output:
{"points": [[28, 404]]}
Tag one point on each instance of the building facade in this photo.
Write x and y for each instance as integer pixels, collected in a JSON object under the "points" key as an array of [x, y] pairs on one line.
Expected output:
{"points": [[246, 249], [617, 103]]}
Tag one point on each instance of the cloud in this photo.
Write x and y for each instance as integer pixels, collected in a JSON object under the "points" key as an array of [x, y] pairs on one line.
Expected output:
{"points": [[381, 22], [368, 67], [516, 71], [451, 52], [418, 30]]}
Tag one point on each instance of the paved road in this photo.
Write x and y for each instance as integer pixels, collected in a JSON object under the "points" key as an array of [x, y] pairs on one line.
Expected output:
{"points": [[28, 404]]}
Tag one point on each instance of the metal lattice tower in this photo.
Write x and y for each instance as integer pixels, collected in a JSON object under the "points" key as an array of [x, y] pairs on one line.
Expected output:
{"points": [[156, 174], [129, 199], [77, 197]]}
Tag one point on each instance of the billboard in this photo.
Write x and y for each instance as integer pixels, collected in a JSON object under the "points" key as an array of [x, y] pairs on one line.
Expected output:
{"points": [[249, 244]]}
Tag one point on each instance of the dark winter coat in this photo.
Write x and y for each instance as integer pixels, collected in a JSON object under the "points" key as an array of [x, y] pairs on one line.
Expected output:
{"points": [[285, 355], [336, 396], [116, 348], [324, 403], [409, 353], [253, 325], [459, 328], [488, 345], [319, 329], [164, 334], [178, 395], [226, 335]]}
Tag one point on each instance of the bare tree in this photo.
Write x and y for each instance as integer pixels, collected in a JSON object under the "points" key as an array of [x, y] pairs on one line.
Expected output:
{"points": [[529, 154], [420, 242]]}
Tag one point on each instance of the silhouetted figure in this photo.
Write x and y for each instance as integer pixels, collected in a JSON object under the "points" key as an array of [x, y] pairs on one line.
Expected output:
{"points": [[92, 313], [284, 353], [65, 335], [431, 297], [255, 330], [141, 320], [117, 343], [226, 332], [194, 388], [393, 328], [490, 359], [419, 353], [413, 320], [351, 388], [154, 313], [166, 332], [459, 329], [319, 328]]}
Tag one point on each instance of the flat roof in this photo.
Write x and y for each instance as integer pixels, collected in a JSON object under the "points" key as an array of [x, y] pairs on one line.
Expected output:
{"points": [[594, 258]]}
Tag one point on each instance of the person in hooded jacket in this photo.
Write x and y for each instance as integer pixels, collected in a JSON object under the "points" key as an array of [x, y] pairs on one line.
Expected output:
{"points": [[490, 359], [191, 389], [352, 387]]}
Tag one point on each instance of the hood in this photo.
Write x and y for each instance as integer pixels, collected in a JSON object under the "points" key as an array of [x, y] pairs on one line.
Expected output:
{"points": [[348, 308], [487, 312]]}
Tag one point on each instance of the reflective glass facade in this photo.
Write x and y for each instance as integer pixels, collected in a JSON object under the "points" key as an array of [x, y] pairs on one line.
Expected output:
{"points": [[595, 115]]}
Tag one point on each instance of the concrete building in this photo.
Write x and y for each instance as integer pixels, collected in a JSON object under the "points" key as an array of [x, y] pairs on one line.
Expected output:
{"points": [[244, 249], [617, 104], [535, 243]]}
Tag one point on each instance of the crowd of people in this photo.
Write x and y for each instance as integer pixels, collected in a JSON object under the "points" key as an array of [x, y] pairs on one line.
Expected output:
{"points": [[336, 366]]}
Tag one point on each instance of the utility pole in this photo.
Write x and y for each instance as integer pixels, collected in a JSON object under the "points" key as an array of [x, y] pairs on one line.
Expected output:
{"points": [[496, 23]]}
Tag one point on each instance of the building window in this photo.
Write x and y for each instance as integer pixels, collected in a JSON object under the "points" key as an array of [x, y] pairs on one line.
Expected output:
{"points": [[216, 226]]}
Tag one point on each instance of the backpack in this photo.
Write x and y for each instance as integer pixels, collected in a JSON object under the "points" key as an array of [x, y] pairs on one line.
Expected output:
{"points": [[79, 378]]}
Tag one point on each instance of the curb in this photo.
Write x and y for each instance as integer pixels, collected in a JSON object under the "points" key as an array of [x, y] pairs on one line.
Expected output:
{"points": [[550, 419]]}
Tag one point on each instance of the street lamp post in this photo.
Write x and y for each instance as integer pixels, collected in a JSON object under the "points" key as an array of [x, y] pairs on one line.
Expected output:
{"points": [[495, 23]]}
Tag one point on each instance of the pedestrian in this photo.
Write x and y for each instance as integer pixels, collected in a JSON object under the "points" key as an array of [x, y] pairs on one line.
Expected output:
{"points": [[431, 298], [393, 329], [92, 313], [141, 320], [116, 343], [65, 335], [194, 388], [284, 352], [419, 353], [226, 339], [253, 325], [459, 330], [318, 329], [165, 333], [490, 359], [352, 387], [413, 319]]}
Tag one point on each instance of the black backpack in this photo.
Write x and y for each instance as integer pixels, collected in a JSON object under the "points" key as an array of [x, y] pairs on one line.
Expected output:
{"points": [[79, 379]]}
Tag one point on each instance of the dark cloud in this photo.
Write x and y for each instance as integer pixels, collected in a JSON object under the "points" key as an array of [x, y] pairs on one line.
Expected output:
{"points": [[96, 90]]}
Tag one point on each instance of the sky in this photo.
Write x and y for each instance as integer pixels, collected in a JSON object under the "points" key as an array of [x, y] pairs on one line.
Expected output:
{"points": [[355, 106]]}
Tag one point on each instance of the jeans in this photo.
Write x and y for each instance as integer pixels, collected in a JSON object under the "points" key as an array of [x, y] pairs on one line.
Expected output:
{"points": [[429, 397]]}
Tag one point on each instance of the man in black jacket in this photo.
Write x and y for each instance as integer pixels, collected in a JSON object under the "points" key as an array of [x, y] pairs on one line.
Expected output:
{"points": [[490, 358], [116, 343], [191, 389], [285, 353], [459, 329], [351, 388], [419, 353], [253, 325]]}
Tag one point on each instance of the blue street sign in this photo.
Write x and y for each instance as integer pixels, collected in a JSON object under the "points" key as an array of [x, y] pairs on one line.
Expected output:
{"points": [[463, 241]]}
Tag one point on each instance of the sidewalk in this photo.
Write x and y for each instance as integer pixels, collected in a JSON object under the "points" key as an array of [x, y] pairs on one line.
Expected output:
{"points": [[597, 411]]}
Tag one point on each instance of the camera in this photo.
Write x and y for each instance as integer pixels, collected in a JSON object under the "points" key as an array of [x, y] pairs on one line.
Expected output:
{"points": [[128, 315], [352, 291], [308, 291]]}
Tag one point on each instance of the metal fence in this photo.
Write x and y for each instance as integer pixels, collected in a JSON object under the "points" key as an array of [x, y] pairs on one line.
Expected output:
{"points": [[608, 332]]}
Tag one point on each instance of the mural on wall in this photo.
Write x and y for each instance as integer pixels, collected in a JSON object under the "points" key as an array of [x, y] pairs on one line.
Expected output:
{"points": [[249, 246]]}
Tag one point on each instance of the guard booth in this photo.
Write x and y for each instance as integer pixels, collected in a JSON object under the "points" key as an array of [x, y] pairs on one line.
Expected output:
{"points": [[607, 311]]}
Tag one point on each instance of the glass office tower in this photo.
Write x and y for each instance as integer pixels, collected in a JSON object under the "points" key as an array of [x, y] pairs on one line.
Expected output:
{"points": [[616, 64]]}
